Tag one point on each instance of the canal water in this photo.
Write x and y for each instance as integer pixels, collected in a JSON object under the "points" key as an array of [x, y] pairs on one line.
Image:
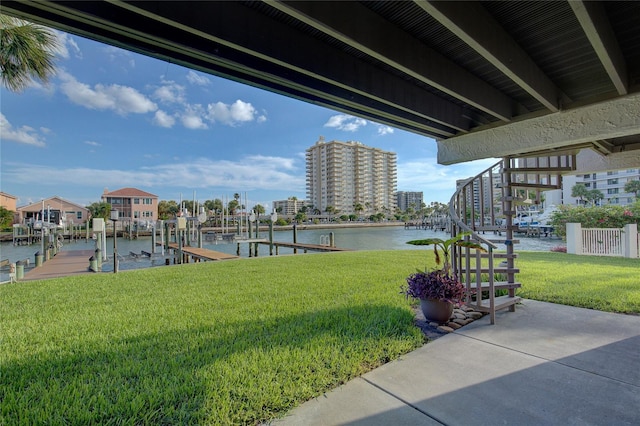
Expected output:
{"points": [[378, 238]]}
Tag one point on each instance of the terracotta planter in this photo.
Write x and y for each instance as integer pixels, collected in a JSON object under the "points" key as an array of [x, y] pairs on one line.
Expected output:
{"points": [[436, 310]]}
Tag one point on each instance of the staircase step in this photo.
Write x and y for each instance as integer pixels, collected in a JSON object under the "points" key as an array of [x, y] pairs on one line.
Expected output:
{"points": [[488, 228], [501, 302], [499, 241], [500, 255], [497, 285], [541, 170], [497, 270]]}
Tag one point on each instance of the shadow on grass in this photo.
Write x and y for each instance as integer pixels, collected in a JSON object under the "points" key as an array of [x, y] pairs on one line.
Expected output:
{"points": [[202, 374]]}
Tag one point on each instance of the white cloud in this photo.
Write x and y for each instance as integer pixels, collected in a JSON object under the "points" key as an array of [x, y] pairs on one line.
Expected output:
{"points": [[192, 118], [250, 173], [437, 181], [24, 134], [65, 45], [169, 93], [163, 119], [231, 115], [197, 79], [347, 123], [384, 130], [93, 143], [121, 99]]}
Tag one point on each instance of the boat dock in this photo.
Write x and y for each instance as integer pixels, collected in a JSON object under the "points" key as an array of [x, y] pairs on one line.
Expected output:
{"points": [[199, 254], [63, 264], [304, 247]]}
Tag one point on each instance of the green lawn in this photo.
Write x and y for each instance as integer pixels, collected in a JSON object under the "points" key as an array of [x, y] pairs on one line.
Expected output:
{"points": [[604, 283], [235, 342]]}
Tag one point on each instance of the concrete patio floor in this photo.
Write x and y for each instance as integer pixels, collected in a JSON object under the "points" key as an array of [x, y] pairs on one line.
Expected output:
{"points": [[545, 364]]}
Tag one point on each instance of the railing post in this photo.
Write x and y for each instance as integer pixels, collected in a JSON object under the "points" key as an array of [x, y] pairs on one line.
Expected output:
{"points": [[574, 238], [630, 240]]}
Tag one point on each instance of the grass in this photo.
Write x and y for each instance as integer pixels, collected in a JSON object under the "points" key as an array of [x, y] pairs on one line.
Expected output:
{"points": [[236, 342], [609, 284], [215, 343]]}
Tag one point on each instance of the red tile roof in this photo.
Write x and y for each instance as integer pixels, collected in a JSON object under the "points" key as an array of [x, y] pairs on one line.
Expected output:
{"points": [[128, 192]]}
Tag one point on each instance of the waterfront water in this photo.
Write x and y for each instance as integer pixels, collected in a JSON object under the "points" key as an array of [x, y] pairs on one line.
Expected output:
{"points": [[380, 238]]}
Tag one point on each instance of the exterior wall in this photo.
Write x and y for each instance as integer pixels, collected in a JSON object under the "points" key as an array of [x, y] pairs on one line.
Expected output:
{"points": [[57, 208], [611, 183], [133, 204], [288, 207], [409, 199], [8, 201], [342, 174]]}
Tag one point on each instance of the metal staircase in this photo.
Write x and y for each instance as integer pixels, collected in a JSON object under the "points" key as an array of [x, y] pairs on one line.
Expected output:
{"points": [[488, 203]]}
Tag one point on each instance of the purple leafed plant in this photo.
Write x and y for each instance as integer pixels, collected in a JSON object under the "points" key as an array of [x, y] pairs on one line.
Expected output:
{"points": [[435, 285]]}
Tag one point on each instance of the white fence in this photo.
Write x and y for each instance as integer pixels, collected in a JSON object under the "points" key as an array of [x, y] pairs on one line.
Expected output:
{"points": [[622, 242]]}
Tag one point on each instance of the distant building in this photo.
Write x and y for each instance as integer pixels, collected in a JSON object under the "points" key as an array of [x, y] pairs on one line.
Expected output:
{"points": [[406, 199], [342, 175], [8, 201], [288, 207], [611, 183], [55, 210], [133, 204]]}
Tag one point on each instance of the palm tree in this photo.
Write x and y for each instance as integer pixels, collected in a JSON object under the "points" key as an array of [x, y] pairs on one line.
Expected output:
{"points": [[26, 53], [633, 187]]}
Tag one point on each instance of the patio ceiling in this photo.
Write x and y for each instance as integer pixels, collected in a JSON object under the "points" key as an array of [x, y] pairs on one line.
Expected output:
{"points": [[484, 78]]}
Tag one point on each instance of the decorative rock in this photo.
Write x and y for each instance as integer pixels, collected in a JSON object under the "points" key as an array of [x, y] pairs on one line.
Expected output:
{"points": [[461, 322], [474, 315], [434, 324], [453, 325], [467, 308], [459, 316], [445, 329]]}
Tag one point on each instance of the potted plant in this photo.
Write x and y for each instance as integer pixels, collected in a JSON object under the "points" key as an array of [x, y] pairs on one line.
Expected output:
{"points": [[439, 290]]}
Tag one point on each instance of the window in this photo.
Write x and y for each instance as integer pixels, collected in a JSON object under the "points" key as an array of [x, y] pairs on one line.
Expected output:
{"points": [[147, 201], [136, 201], [612, 181], [79, 215], [612, 191]]}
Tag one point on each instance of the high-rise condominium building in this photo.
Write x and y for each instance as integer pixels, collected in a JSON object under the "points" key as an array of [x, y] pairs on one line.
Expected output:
{"points": [[611, 183], [408, 199], [350, 176]]}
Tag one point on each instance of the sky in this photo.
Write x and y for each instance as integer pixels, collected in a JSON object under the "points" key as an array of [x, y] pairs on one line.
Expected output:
{"points": [[113, 119]]}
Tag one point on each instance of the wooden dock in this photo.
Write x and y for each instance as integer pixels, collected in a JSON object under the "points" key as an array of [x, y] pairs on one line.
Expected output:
{"points": [[65, 263], [304, 247], [203, 254]]}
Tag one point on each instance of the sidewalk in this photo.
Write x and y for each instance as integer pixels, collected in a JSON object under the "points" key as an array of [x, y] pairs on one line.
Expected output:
{"points": [[544, 364]]}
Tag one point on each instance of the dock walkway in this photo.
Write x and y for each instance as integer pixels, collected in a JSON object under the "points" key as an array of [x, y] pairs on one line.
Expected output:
{"points": [[202, 253], [65, 263], [305, 247]]}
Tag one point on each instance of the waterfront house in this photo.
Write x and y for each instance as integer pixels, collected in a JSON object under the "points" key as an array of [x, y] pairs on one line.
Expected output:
{"points": [[133, 204], [56, 210]]}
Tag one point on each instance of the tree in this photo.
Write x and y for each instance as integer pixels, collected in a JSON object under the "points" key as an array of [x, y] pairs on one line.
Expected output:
{"points": [[633, 187], [26, 53], [594, 196], [6, 218], [579, 191], [167, 209], [99, 210], [259, 209]]}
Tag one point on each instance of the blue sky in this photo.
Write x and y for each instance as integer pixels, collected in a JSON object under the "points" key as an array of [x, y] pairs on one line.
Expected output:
{"points": [[111, 119]]}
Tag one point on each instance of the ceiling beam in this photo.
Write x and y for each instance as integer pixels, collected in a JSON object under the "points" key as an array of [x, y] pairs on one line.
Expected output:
{"points": [[593, 19], [378, 38], [218, 22], [575, 127], [216, 46], [476, 27]]}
